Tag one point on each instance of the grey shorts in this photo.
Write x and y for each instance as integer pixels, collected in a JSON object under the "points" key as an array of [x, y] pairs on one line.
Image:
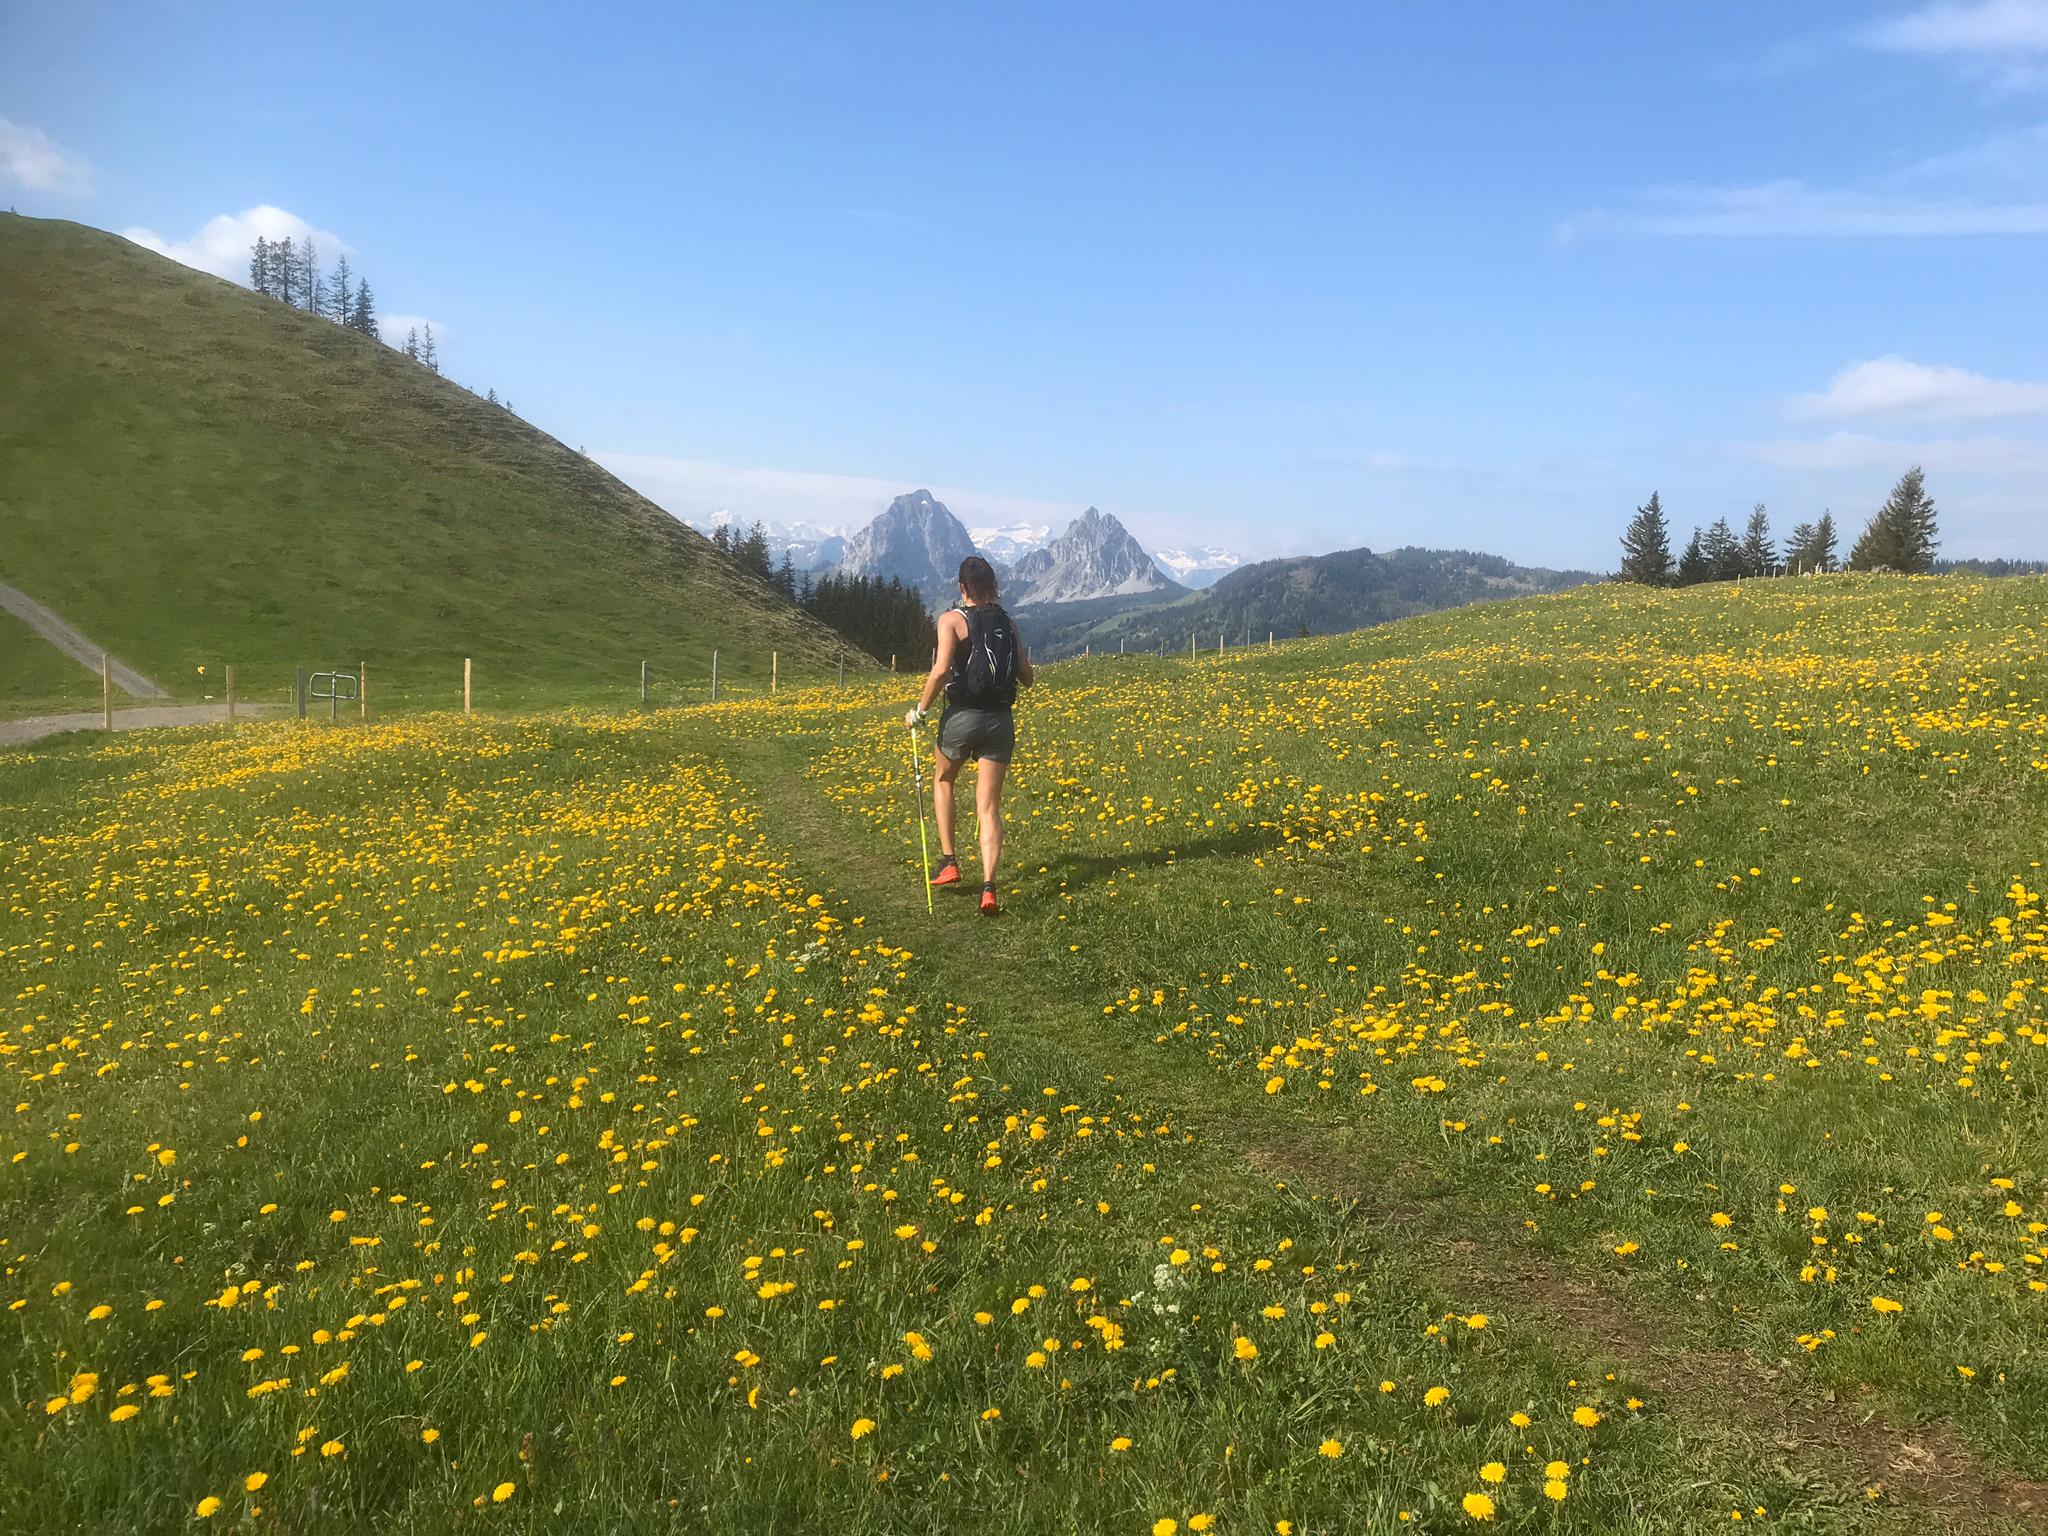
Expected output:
{"points": [[987, 734]]}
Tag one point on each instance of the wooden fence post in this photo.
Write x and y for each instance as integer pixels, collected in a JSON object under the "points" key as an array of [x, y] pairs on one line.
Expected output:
{"points": [[1191, 645], [774, 663], [714, 677], [1269, 639], [643, 685], [231, 693], [362, 690], [299, 692], [842, 669], [1219, 642], [892, 661], [106, 690], [465, 685]]}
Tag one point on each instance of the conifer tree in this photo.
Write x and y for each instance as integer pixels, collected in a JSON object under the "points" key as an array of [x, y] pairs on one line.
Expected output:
{"points": [[259, 265], [1692, 565], [754, 551], [1646, 546], [412, 350], [309, 276], [1759, 555], [1724, 554], [338, 295], [1903, 534], [362, 315], [1799, 549], [1822, 555], [432, 358]]}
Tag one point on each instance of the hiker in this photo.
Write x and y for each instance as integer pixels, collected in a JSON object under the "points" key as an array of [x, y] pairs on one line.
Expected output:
{"points": [[979, 664]]}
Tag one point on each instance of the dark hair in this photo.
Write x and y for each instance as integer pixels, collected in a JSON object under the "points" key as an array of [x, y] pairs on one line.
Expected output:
{"points": [[978, 578]]}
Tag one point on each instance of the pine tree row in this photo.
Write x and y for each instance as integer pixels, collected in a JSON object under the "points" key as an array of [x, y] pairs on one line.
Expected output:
{"points": [[1902, 535], [289, 271], [883, 618]]}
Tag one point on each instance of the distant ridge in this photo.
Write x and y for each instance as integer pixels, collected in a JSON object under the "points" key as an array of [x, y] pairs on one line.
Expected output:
{"points": [[1310, 594]]}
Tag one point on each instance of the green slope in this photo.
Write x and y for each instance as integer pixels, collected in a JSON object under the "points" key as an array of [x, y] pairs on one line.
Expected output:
{"points": [[36, 677], [194, 475]]}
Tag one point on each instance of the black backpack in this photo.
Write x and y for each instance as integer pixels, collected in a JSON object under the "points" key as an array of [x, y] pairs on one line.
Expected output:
{"points": [[986, 676]]}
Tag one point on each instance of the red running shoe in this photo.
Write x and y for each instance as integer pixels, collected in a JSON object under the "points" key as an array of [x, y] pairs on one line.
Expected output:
{"points": [[988, 901], [948, 872]]}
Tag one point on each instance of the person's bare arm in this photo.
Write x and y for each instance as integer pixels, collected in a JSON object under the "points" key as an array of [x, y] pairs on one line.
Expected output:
{"points": [[1025, 674], [952, 630]]}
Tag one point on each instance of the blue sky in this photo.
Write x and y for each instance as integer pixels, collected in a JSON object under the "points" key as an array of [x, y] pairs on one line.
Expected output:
{"points": [[1283, 278]]}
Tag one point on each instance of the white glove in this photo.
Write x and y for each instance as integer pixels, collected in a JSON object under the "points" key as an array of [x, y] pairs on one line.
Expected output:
{"points": [[916, 717]]}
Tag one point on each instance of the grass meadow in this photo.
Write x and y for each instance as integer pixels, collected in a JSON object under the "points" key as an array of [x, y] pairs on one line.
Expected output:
{"points": [[1573, 1064]]}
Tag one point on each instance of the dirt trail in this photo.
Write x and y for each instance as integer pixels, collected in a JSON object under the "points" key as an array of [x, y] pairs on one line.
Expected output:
{"points": [[75, 645], [16, 733], [1843, 1446], [1923, 1464]]}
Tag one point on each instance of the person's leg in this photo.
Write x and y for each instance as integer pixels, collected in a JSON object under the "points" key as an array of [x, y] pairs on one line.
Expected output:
{"points": [[988, 807], [944, 771]]}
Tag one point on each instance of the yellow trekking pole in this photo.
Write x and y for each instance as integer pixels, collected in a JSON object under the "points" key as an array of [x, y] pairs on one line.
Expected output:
{"points": [[923, 846]]}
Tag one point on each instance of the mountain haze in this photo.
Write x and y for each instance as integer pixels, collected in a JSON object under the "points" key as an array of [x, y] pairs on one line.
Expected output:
{"points": [[1197, 567]]}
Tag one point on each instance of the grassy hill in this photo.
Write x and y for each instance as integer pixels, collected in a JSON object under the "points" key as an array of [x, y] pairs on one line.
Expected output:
{"points": [[193, 475]]}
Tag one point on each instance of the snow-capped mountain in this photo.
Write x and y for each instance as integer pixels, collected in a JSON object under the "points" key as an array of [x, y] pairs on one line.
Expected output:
{"points": [[1095, 557], [810, 547], [916, 540], [1198, 566], [1008, 545]]}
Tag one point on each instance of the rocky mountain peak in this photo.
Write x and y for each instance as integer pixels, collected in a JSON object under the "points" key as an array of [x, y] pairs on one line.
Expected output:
{"points": [[1095, 557], [917, 540]]}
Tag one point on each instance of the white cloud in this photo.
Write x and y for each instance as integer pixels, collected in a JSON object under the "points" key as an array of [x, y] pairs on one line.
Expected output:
{"points": [[29, 157], [1985, 26], [1794, 209], [2014, 161], [221, 245], [694, 489], [1946, 455], [1996, 185], [393, 328], [1893, 386]]}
